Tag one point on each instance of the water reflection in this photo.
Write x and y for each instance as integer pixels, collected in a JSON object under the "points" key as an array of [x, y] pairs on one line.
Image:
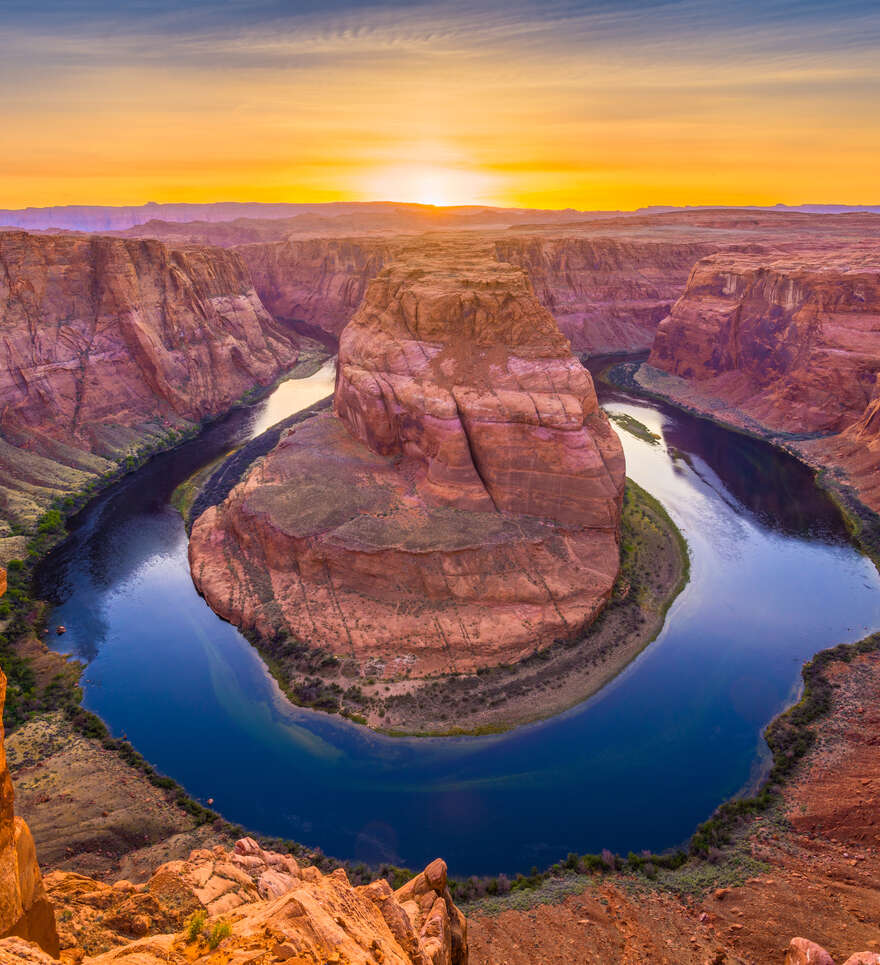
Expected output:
{"points": [[638, 766]]}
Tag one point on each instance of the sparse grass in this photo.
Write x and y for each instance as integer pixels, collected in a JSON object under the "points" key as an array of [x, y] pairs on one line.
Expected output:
{"points": [[220, 931]]}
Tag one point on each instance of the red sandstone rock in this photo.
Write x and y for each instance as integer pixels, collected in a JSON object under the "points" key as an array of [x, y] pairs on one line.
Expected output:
{"points": [[804, 952], [461, 507], [25, 912], [318, 281], [108, 343], [607, 295], [302, 915], [792, 340]]}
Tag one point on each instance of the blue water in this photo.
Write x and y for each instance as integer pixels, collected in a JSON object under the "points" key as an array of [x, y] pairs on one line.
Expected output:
{"points": [[638, 766]]}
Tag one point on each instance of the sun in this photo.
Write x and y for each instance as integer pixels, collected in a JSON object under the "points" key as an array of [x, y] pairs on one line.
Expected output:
{"points": [[438, 186]]}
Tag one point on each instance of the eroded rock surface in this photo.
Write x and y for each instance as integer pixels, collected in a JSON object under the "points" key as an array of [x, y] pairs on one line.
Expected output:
{"points": [[317, 281], [608, 295], [792, 340], [788, 343], [110, 343], [25, 911], [268, 907], [459, 509]]}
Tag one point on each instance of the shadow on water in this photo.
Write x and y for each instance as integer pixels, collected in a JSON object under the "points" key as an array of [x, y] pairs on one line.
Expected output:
{"points": [[638, 766]]}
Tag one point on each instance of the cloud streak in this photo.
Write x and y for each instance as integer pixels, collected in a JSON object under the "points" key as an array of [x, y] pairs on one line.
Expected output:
{"points": [[533, 99]]}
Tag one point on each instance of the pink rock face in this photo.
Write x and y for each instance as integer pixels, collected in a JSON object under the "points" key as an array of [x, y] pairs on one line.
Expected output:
{"points": [[607, 295], [792, 340], [107, 342], [317, 281], [460, 509]]}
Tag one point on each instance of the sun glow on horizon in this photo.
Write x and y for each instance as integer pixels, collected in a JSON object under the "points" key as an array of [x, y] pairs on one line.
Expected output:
{"points": [[579, 104], [438, 185]]}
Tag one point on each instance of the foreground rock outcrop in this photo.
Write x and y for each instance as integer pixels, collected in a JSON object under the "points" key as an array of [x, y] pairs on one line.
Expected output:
{"points": [[107, 345], [788, 344], [24, 909], [265, 906], [459, 509]]}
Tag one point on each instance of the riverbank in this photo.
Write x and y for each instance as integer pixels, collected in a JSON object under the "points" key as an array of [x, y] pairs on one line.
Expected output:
{"points": [[96, 805], [654, 569], [645, 380], [807, 863]]}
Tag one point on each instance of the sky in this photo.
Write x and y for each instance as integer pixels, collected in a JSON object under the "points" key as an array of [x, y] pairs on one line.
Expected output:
{"points": [[590, 104]]}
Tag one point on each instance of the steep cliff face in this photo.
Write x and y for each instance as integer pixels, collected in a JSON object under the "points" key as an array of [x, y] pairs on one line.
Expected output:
{"points": [[607, 295], [459, 510], [793, 340], [787, 343], [106, 343], [24, 909], [320, 282]]}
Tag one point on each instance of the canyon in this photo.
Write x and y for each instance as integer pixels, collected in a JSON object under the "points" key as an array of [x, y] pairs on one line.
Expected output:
{"points": [[110, 346], [458, 509], [248, 902], [417, 530]]}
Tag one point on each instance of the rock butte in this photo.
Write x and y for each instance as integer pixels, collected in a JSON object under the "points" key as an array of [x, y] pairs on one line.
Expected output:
{"points": [[461, 506]]}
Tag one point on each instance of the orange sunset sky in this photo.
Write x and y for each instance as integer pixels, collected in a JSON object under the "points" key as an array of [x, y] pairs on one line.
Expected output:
{"points": [[583, 104]]}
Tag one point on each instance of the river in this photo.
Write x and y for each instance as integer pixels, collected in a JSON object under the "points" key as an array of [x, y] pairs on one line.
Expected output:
{"points": [[773, 580]]}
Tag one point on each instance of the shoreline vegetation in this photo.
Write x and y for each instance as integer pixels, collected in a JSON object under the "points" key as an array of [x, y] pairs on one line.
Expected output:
{"points": [[46, 685], [655, 568], [636, 377]]}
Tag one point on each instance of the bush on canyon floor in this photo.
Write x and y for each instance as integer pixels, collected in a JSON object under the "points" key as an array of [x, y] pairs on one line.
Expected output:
{"points": [[220, 931], [196, 924]]}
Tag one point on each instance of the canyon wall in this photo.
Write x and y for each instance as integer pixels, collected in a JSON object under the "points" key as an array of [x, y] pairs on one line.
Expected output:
{"points": [[607, 295], [789, 343], [107, 344], [25, 910], [320, 282], [460, 509]]}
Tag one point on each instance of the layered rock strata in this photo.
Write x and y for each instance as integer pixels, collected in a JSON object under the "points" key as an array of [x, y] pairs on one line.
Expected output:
{"points": [[320, 282], [789, 344], [607, 295], [459, 509], [25, 910], [108, 344]]}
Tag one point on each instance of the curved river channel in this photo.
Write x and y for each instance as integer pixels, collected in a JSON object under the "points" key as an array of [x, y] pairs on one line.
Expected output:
{"points": [[774, 579]]}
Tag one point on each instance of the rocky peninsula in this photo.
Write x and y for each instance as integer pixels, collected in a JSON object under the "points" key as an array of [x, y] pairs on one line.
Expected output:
{"points": [[459, 509]]}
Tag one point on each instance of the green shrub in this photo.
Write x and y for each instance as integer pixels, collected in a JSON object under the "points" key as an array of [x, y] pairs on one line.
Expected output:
{"points": [[50, 522], [196, 924], [220, 931]]}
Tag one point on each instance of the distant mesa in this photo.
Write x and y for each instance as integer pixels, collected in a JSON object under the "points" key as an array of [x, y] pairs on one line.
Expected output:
{"points": [[461, 505]]}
